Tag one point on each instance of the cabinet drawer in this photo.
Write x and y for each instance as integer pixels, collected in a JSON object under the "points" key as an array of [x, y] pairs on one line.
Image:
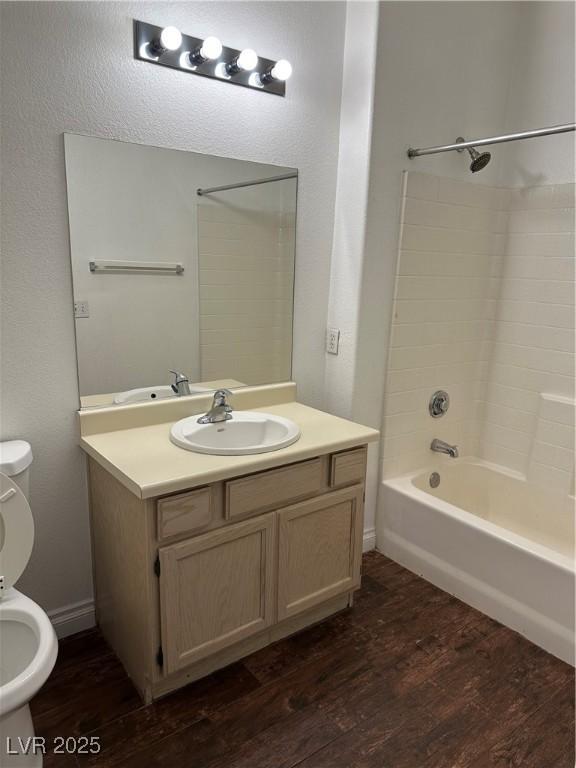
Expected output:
{"points": [[348, 467], [272, 489], [184, 513]]}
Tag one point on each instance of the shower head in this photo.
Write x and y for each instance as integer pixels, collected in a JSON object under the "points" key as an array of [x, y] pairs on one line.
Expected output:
{"points": [[479, 159]]}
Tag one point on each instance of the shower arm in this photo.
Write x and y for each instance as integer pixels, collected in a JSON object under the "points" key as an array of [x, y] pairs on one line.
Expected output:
{"points": [[493, 140]]}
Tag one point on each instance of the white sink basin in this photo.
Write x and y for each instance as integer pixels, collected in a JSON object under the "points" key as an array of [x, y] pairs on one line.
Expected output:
{"points": [[144, 394], [246, 432]]}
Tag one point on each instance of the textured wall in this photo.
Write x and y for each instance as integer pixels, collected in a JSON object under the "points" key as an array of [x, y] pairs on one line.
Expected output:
{"points": [[76, 73]]}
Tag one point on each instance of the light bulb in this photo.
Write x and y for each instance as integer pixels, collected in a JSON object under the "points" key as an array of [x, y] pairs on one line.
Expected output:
{"points": [[281, 70], [247, 59], [279, 73], [211, 48], [170, 39]]}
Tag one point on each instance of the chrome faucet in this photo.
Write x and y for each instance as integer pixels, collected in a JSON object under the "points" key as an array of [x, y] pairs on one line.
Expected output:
{"points": [[181, 385], [220, 410], [439, 446]]}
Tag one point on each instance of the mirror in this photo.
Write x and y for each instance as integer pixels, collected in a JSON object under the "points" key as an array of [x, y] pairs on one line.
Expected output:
{"points": [[170, 274]]}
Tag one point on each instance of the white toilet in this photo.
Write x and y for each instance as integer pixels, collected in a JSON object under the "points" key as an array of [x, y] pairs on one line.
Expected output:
{"points": [[28, 644]]}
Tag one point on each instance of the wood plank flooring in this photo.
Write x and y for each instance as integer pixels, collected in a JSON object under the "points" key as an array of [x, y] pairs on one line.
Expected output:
{"points": [[410, 677]]}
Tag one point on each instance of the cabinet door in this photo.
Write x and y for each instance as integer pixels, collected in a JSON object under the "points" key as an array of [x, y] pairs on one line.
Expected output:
{"points": [[216, 590], [320, 549]]}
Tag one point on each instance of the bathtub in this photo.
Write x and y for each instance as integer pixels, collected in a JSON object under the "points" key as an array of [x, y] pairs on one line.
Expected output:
{"points": [[491, 539]]}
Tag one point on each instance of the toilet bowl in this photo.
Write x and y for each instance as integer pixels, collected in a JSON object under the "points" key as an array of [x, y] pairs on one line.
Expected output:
{"points": [[28, 644]]}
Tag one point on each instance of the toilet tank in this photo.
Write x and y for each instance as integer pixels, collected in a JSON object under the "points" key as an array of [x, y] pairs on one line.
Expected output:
{"points": [[15, 460]]}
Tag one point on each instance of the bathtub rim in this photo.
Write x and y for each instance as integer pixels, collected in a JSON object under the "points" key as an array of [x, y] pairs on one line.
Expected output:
{"points": [[404, 484]]}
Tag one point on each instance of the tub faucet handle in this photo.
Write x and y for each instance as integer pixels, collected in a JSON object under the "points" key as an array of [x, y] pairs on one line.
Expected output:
{"points": [[439, 404]]}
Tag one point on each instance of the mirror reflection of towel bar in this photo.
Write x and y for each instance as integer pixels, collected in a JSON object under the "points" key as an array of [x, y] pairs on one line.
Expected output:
{"points": [[135, 266]]}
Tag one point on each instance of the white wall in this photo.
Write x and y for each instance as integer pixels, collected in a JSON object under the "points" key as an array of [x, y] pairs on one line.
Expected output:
{"points": [[76, 73], [351, 199], [350, 222], [541, 93]]}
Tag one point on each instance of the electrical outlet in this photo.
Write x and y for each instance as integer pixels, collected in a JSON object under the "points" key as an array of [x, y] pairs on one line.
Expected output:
{"points": [[332, 340], [81, 309]]}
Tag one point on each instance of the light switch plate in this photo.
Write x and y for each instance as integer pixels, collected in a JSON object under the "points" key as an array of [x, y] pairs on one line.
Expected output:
{"points": [[81, 309], [332, 341]]}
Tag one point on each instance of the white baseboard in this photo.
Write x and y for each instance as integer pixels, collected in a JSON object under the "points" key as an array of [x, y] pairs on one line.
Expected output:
{"points": [[73, 618], [369, 541]]}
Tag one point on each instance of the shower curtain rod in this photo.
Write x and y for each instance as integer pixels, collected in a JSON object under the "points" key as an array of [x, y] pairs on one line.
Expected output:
{"points": [[493, 140], [200, 191]]}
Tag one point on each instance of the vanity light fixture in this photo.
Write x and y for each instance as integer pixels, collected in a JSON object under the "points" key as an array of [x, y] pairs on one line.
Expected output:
{"points": [[169, 39], [168, 47], [210, 50]]}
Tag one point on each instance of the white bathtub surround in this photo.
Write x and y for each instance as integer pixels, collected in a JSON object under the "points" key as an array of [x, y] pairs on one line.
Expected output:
{"points": [[451, 245], [246, 284], [552, 453], [493, 540], [529, 396], [484, 308]]}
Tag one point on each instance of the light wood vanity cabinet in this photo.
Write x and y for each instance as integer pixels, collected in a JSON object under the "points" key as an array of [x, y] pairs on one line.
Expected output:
{"points": [[216, 590], [184, 513], [190, 582], [319, 550]]}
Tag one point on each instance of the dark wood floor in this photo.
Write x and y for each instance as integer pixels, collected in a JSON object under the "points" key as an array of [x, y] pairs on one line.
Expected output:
{"points": [[409, 678]]}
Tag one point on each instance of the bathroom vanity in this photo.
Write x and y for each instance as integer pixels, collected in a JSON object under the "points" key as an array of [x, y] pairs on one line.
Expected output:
{"points": [[200, 560]]}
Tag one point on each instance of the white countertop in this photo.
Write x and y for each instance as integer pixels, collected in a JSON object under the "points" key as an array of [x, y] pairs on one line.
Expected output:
{"points": [[144, 460]]}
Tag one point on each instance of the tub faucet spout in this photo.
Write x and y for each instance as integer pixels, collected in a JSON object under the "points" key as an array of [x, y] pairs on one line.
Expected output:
{"points": [[439, 446]]}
